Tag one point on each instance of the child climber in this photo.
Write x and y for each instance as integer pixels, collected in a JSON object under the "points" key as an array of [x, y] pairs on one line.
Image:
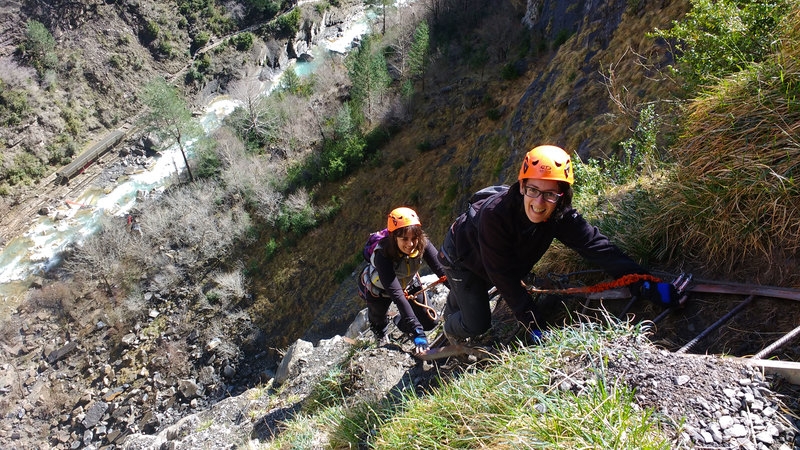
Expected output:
{"points": [[392, 276]]}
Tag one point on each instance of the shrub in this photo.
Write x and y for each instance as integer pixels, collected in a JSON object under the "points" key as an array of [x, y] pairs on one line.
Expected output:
{"points": [[39, 46], [26, 168], [165, 48], [288, 24], [13, 105], [717, 38], [321, 7], [193, 75], [208, 163], [561, 38], [116, 61], [72, 119], [199, 41], [243, 41], [509, 72], [60, 152], [150, 32], [269, 249], [297, 214]]}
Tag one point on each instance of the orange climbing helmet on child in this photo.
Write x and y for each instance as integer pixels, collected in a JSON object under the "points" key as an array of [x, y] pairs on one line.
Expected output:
{"points": [[402, 217]]}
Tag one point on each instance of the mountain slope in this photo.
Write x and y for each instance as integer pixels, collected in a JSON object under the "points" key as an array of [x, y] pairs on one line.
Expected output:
{"points": [[467, 146]]}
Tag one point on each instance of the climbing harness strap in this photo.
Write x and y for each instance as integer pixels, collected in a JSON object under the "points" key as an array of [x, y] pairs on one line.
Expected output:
{"points": [[428, 310], [600, 287]]}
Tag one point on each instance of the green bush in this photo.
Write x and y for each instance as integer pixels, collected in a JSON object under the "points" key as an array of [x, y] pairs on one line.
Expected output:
{"points": [[338, 158], [561, 38], [288, 24], [243, 41], [376, 139], [73, 121], [509, 72], [26, 168], [13, 105], [263, 10], [209, 164], [116, 62], [199, 41], [321, 7], [269, 249], [165, 48], [203, 63], [720, 37], [193, 75], [296, 220], [60, 152], [39, 46], [150, 32]]}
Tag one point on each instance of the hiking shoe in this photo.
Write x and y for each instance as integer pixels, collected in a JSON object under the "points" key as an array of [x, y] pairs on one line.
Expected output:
{"points": [[455, 340]]}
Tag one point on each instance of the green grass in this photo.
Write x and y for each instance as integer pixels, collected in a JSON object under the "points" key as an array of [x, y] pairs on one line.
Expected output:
{"points": [[515, 402]]}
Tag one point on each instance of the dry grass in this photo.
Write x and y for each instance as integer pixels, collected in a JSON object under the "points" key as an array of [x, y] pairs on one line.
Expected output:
{"points": [[733, 205]]}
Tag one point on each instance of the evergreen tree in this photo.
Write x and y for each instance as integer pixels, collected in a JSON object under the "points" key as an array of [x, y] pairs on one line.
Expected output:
{"points": [[418, 55], [39, 46], [368, 75], [169, 117]]}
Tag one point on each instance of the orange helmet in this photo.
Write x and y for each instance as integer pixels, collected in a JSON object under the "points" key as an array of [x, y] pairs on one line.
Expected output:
{"points": [[402, 217], [547, 162]]}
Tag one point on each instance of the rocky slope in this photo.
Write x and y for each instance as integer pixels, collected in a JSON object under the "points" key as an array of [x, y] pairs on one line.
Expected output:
{"points": [[704, 401]]}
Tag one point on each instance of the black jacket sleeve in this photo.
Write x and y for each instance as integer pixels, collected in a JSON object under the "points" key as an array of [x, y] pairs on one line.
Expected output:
{"points": [[394, 290], [591, 244], [432, 259]]}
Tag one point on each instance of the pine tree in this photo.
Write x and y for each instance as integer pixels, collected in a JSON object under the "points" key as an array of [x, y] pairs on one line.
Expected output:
{"points": [[169, 117], [418, 55], [368, 75]]}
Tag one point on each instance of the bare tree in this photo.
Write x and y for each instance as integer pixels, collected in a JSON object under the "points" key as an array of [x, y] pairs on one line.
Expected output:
{"points": [[15, 75], [257, 121], [210, 223], [500, 32], [251, 178], [102, 256], [402, 36]]}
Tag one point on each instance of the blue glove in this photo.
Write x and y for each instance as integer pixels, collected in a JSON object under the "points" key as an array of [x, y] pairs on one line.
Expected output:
{"points": [[663, 294], [537, 337], [421, 342]]}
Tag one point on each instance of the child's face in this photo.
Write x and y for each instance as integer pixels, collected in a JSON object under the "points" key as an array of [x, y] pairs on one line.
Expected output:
{"points": [[407, 242]]}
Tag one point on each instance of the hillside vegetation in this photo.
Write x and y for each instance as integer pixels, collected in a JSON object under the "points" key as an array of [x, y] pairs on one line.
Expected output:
{"points": [[689, 166]]}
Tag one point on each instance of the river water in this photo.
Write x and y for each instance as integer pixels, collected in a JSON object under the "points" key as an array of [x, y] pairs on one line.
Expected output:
{"points": [[40, 248]]}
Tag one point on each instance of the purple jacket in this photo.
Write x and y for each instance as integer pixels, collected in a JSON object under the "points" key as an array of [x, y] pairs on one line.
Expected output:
{"points": [[495, 240]]}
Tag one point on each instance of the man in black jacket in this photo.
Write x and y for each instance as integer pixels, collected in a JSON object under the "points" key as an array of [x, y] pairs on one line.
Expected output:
{"points": [[497, 241]]}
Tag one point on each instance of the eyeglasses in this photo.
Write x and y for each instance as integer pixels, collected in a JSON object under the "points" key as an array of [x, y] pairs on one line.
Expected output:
{"points": [[549, 197]]}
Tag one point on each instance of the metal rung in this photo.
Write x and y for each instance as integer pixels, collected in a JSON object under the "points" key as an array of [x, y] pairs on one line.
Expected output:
{"points": [[775, 345], [716, 324]]}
